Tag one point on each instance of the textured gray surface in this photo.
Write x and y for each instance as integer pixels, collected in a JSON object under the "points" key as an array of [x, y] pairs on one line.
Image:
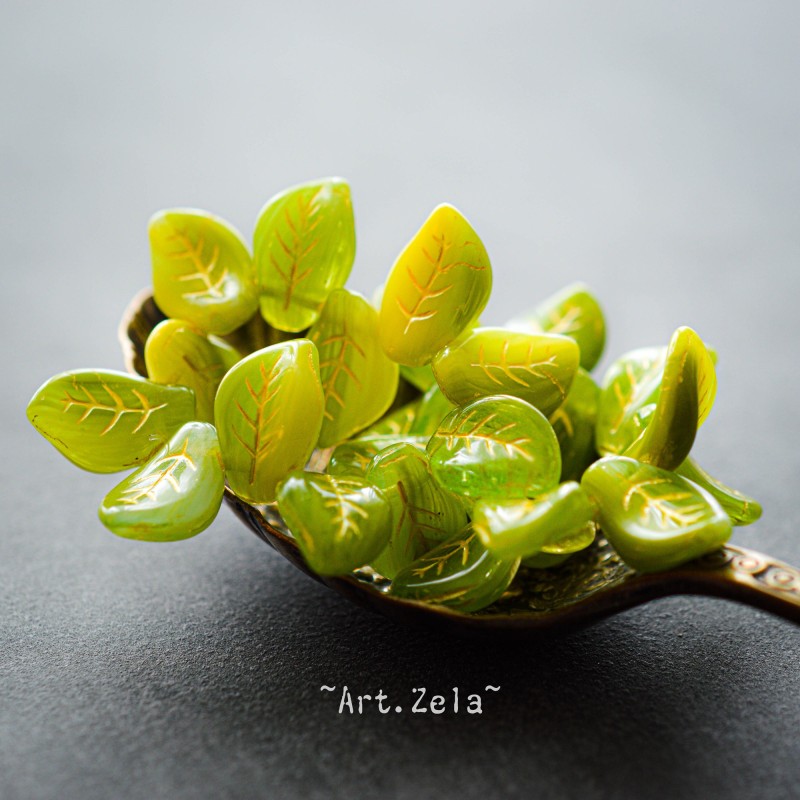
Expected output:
{"points": [[648, 149]]}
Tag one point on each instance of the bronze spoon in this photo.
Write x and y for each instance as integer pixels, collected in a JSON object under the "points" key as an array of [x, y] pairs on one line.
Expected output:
{"points": [[588, 587]]}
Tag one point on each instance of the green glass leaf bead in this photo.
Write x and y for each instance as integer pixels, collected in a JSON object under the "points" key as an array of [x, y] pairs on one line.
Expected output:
{"points": [[340, 524], [398, 423], [202, 270], [526, 527], [175, 495], [545, 560], [304, 247], [742, 510], [574, 424], [655, 519], [359, 381], [537, 368], [352, 458], [178, 353], [432, 409], [460, 573], [436, 289], [424, 514], [497, 448], [108, 421], [569, 545], [268, 413], [421, 378]]}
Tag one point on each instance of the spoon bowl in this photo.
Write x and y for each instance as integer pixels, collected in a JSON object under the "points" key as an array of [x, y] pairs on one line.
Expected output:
{"points": [[589, 586]]}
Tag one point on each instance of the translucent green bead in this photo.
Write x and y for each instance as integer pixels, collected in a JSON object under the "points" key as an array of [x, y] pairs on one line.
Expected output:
{"points": [[304, 247], [545, 560], [340, 524], [423, 512], [460, 573], [175, 495], [359, 381], [421, 378], [537, 368], [574, 424], [268, 413], [398, 423], [178, 353], [555, 521], [494, 449], [108, 421], [432, 409], [352, 458], [202, 270], [436, 289], [655, 519]]}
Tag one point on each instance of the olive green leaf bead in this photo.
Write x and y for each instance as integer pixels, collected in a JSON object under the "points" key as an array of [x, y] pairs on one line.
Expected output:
{"points": [[178, 353], [654, 518], [574, 424], [526, 527], [433, 408], [742, 510], [175, 495], [202, 270], [268, 413], [497, 448], [339, 524], [423, 512], [545, 560], [436, 289], [352, 458], [537, 368], [359, 381], [108, 421], [304, 247], [459, 573]]}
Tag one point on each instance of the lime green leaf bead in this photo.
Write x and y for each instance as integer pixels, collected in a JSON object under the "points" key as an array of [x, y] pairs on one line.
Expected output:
{"points": [[574, 424], [108, 421], [526, 527], [359, 381], [545, 560], [537, 368], [460, 573], [578, 540], [352, 458], [178, 353], [423, 512], [655, 519], [340, 524], [304, 247], [433, 408], [497, 448], [398, 423], [742, 510], [175, 495], [421, 378], [436, 289], [202, 270], [268, 413]]}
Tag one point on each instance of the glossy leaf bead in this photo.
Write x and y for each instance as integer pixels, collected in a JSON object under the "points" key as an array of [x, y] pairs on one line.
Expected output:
{"points": [[359, 381], [436, 289], [304, 248], [178, 353], [108, 421], [432, 409], [526, 527], [175, 495], [574, 425], [537, 368], [424, 513], [655, 519], [460, 573], [397, 423], [497, 448], [421, 378], [339, 524], [268, 413], [202, 270], [352, 458]]}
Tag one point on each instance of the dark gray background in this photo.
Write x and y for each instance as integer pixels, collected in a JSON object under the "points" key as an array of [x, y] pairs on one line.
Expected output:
{"points": [[650, 149]]}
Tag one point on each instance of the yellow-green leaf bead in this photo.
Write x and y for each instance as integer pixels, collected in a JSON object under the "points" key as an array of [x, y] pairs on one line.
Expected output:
{"points": [[537, 368], [108, 421], [304, 247], [421, 378], [175, 495], [459, 573], [397, 423], [202, 270], [352, 458], [178, 353], [494, 449], [436, 289], [424, 514], [545, 560], [654, 518], [359, 381], [340, 524], [432, 409], [526, 527], [574, 424], [268, 413]]}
